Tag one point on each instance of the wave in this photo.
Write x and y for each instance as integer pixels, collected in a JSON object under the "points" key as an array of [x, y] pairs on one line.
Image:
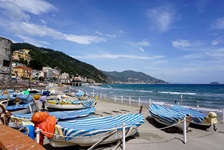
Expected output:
{"points": [[206, 109], [176, 93]]}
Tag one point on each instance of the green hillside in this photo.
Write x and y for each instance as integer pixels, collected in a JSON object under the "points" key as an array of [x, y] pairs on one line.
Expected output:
{"points": [[48, 57]]}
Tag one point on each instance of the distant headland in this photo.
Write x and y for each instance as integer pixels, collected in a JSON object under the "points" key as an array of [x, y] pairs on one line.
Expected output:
{"points": [[215, 82]]}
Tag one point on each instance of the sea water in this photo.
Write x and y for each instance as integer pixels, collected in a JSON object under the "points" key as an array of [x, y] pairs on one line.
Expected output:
{"points": [[209, 97]]}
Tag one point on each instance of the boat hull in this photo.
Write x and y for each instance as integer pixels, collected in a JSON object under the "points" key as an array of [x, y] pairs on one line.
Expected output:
{"points": [[179, 125], [65, 106], [58, 141]]}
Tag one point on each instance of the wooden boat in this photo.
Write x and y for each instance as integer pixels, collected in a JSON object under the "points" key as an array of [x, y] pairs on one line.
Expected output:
{"points": [[70, 104], [199, 119], [18, 103], [86, 132], [19, 120], [168, 117]]}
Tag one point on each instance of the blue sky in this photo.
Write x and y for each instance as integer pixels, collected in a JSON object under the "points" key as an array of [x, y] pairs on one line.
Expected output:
{"points": [[179, 41]]}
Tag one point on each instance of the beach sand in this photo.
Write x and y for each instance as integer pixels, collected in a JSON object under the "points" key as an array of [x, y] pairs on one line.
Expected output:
{"points": [[151, 137]]}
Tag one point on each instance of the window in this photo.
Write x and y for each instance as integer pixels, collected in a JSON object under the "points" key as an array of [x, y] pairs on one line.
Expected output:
{"points": [[6, 63]]}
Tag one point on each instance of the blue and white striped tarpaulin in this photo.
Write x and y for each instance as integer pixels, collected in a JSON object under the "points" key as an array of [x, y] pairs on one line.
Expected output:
{"points": [[165, 114], [63, 115], [197, 116], [93, 126], [16, 107], [13, 96], [86, 103], [4, 96]]}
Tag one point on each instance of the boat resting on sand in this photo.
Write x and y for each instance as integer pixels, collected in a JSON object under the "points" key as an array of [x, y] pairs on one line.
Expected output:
{"points": [[63, 115], [19, 120], [168, 117], [20, 103], [199, 119], [86, 132], [70, 104]]}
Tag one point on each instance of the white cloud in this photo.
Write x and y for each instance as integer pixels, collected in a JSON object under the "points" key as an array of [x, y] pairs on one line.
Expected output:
{"points": [[193, 56], [32, 6], [218, 53], [140, 45], [114, 56], [219, 40], [107, 35], [83, 39], [201, 5], [43, 21], [188, 45], [181, 43], [12, 11], [19, 21], [33, 41], [26, 28], [162, 18], [218, 24]]}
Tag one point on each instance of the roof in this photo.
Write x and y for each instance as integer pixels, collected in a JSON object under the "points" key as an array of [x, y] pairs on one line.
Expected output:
{"points": [[23, 67]]}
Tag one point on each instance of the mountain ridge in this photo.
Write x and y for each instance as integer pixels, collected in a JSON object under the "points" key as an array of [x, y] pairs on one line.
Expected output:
{"points": [[52, 58], [130, 76]]}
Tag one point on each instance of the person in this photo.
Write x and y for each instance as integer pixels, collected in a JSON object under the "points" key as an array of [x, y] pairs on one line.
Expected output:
{"points": [[175, 102], [43, 99]]}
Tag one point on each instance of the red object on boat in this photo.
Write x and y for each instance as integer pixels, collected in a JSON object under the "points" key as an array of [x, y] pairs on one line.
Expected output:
{"points": [[46, 123]]}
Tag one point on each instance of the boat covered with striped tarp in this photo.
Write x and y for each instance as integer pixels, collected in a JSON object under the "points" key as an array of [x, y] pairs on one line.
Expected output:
{"points": [[167, 116], [86, 132], [63, 115], [18, 103], [199, 119]]}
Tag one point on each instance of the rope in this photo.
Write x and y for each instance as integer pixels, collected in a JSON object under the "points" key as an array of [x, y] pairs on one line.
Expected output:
{"points": [[119, 142], [169, 126], [101, 140]]}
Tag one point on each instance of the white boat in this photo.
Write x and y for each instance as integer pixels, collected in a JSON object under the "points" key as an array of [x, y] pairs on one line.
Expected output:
{"points": [[87, 132], [169, 117], [19, 103], [70, 104], [20, 120], [199, 119]]}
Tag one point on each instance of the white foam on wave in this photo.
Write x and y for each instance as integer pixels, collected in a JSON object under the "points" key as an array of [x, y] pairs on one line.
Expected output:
{"points": [[205, 109], [177, 93]]}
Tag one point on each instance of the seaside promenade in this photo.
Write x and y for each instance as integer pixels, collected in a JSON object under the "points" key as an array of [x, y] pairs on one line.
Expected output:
{"points": [[150, 136]]}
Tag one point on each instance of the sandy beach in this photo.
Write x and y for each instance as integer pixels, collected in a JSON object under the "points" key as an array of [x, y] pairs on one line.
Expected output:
{"points": [[150, 136]]}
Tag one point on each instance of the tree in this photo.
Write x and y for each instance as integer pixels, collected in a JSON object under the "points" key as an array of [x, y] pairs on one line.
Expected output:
{"points": [[35, 64]]}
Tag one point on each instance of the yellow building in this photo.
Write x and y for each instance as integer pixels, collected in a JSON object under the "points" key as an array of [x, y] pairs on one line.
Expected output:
{"points": [[23, 71], [22, 53]]}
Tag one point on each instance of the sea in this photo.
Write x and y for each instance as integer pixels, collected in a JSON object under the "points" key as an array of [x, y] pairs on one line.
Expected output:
{"points": [[206, 97]]}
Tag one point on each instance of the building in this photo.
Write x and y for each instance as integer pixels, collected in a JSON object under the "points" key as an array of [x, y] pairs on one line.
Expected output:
{"points": [[5, 61], [14, 64], [21, 54], [23, 72], [37, 73], [48, 72]]}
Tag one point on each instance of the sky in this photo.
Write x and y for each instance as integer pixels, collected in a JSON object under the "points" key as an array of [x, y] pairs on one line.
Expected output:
{"points": [[178, 41]]}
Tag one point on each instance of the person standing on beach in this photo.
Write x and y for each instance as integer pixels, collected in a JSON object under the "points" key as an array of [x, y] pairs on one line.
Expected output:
{"points": [[43, 99]]}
